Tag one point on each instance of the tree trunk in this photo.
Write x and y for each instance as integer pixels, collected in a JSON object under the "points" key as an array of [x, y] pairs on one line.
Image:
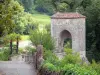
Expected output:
{"points": [[11, 50], [17, 45]]}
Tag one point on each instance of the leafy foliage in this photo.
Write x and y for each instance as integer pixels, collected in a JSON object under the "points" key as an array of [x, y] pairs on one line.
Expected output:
{"points": [[49, 56], [95, 66], [93, 14], [8, 9], [24, 22], [12, 36], [67, 66], [71, 57], [78, 70], [30, 49], [37, 37], [4, 54]]}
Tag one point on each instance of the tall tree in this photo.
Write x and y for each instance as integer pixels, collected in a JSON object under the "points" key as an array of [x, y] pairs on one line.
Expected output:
{"points": [[28, 4], [93, 23], [8, 10]]}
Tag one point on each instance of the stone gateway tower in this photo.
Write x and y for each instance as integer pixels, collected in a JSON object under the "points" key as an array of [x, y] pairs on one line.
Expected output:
{"points": [[69, 25]]}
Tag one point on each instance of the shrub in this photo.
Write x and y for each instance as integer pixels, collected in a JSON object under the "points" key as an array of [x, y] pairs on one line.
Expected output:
{"points": [[50, 69], [10, 37], [30, 49], [69, 65], [1, 40], [74, 69], [48, 28], [68, 43], [95, 66], [49, 66], [4, 54], [68, 69], [20, 50], [71, 57], [29, 27], [49, 56], [43, 38]]}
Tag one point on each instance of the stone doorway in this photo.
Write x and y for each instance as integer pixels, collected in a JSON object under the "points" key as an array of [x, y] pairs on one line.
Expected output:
{"points": [[66, 39]]}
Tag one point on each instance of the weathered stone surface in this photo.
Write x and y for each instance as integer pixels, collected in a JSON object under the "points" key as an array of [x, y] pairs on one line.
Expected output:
{"points": [[74, 26], [39, 56]]}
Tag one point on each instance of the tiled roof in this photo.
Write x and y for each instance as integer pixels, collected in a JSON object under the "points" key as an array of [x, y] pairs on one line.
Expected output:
{"points": [[59, 15]]}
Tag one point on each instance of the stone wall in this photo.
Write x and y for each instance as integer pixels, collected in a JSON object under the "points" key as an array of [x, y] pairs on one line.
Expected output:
{"points": [[76, 27]]}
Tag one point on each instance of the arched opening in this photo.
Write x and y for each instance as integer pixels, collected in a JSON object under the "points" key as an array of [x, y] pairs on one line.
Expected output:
{"points": [[66, 39]]}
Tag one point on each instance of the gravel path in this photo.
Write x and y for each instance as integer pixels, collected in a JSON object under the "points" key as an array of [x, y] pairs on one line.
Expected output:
{"points": [[17, 68]]}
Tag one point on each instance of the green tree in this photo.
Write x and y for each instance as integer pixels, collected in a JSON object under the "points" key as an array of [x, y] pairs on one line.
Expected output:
{"points": [[27, 4], [62, 5], [93, 28], [24, 23], [8, 39], [8, 10]]}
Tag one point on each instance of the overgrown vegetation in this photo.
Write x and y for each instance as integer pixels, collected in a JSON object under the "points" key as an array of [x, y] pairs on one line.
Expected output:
{"points": [[44, 38], [69, 65], [4, 54], [9, 48]]}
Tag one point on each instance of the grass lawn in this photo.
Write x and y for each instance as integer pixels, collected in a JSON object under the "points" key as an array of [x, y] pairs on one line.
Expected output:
{"points": [[42, 19], [24, 37]]}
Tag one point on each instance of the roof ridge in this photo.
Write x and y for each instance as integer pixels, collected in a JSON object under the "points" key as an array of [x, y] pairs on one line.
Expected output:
{"points": [[67, 15]]}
